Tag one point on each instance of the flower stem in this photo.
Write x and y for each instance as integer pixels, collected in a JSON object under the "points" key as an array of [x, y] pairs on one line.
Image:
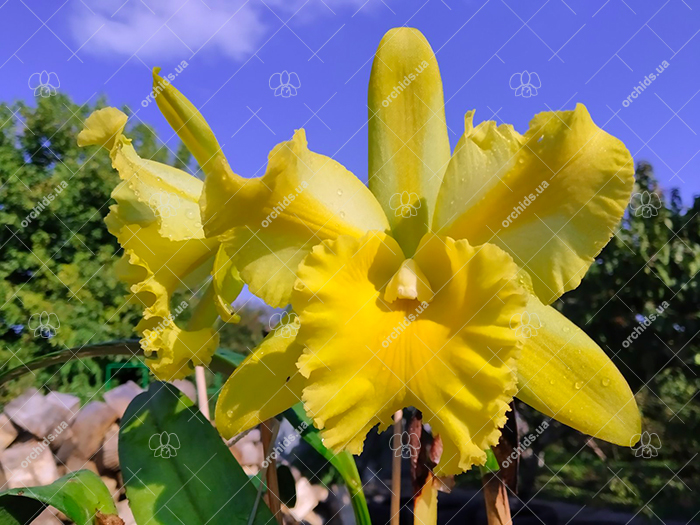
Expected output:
{"points": [[396, 468], [496, 499], [268, 431]]}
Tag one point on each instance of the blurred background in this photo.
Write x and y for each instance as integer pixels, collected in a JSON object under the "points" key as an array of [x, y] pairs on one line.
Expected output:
{"points": [[633, 63]]}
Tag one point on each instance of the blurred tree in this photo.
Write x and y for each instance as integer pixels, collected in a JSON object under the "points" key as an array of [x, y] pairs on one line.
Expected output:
{"points": [[56, 256], [643, 283]]}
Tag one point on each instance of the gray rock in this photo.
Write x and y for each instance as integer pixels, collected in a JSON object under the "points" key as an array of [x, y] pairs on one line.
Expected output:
{"points": [[40, 415], [119, 398], [187, 388], [88, 430], [8, 432], [28, 464], [125, 513]]}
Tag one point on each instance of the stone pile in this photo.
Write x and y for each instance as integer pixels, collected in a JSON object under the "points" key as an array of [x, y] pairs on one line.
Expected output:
{"points": [[44, 437]]}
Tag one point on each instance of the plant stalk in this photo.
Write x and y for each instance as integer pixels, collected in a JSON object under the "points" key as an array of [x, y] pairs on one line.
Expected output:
{"points": [[496, 500], [396, 468], [268, 431]]}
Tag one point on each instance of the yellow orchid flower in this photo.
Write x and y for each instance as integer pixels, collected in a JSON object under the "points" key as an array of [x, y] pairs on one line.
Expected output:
{"points": [[429, 288], [157, 222]]}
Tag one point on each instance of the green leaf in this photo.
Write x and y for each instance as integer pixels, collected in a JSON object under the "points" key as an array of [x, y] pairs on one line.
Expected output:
{"points": [[343, 462], [79, 495], [177, 469]]}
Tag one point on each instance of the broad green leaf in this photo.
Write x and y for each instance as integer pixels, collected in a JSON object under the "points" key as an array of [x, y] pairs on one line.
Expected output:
{"points": [[343, 462], [82, 496], [177, 469]]}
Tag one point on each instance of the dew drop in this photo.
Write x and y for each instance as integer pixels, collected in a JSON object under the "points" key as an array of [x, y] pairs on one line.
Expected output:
{"points": [[606, 382], [340, 192], [567, 329], [342, 214], [551, 381], [578, 385], [189, 214], [159, 179]]}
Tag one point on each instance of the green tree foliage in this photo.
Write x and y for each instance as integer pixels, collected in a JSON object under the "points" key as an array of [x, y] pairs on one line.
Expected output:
{"points": [[56, 255]]}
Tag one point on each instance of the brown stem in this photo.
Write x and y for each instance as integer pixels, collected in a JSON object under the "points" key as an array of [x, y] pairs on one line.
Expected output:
{"points": [[396, 468], [496, 500], [268, 433]]}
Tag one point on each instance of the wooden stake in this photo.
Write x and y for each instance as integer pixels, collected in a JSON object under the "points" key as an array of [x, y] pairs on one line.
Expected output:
{"points": [[496, 500], [268, 434], [396, 468], [202, 399]]}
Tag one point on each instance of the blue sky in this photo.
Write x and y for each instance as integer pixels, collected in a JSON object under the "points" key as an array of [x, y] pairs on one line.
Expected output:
{"points": [[589, 51]]}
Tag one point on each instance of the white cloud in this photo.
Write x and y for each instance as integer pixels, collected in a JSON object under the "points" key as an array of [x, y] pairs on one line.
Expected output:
{"points": [[173, 29]]}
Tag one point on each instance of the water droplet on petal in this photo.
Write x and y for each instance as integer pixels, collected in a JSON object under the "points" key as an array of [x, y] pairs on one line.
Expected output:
{"points": [[578, 385], [606, 382], [189, 214], [342, 214], [551, 381], [340, 192]]}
